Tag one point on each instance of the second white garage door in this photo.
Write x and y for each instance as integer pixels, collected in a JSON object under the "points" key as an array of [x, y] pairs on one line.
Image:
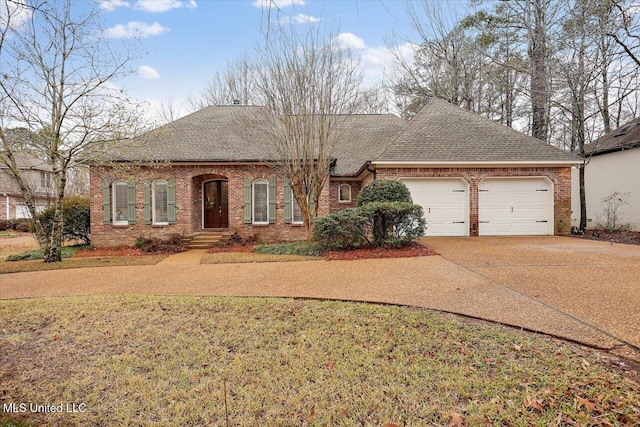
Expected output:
{"points": [[445, 203], [515, 206]]}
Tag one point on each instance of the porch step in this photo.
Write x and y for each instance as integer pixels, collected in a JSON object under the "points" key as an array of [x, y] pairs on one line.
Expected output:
{"points": [[206, 239]]}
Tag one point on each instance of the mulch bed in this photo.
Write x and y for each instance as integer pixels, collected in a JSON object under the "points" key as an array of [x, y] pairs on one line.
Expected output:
{"points": [[626, 237], [413, 250]]}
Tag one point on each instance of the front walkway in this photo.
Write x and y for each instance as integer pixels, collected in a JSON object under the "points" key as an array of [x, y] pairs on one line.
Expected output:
{"points": [[554, 288]]}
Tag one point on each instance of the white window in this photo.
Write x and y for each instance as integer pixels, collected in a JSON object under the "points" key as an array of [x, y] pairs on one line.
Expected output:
{"points": [[344, 193], [260, 202], [22, 211], [45, 182], [160, 202], [120, 198], [296, 213]]}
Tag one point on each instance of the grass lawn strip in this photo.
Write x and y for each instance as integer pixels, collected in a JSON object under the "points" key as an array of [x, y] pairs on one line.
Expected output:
{"points": [[246, 257], [25, 266], [137, 360]]}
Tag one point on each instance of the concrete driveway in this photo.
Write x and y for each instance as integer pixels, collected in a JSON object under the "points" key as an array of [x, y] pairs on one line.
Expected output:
{"points": [[581, 290], [597, 283]]}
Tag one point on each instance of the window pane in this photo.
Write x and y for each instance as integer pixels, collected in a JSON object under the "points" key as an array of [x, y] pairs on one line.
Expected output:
{"points": [[260, 202], [120, 202], [345, 193], [160, 203], [297, 213]]}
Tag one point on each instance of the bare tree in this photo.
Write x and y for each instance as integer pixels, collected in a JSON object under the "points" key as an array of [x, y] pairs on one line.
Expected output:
{"points": [[308, 85], [58, 73], [235, 84], [169, 111]]}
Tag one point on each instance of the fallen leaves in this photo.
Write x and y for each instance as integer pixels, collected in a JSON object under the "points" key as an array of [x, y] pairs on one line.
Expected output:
{"points": [[457, 420]]}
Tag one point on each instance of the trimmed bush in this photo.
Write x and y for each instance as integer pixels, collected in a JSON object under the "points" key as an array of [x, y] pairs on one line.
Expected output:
{"points": [[291, 248], [77, 221], [347, 228], [385, 216], [172, 243], [395, 224], [384, 190]]}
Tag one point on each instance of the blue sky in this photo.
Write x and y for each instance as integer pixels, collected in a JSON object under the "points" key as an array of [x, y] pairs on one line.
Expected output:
{"points": [[185, 41]]}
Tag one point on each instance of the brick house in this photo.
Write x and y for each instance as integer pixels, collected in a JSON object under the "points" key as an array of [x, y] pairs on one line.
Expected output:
{"points": [[471, 175]]}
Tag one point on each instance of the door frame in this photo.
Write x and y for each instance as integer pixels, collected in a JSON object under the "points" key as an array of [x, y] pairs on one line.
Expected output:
{"points": [[202, 195]]}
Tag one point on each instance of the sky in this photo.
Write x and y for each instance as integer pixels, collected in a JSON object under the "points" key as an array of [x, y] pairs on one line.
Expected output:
{"points": [[184, 42]]}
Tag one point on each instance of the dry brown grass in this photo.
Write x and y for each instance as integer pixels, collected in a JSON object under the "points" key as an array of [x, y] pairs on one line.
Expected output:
{"points": [[24, 266], [248, 257], [137, 360]]}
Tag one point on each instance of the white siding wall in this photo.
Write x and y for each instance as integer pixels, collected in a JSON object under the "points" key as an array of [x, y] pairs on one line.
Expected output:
{"points": [[618, 171]]}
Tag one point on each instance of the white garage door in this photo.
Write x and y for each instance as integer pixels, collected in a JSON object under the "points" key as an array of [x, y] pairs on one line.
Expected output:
{"points": [[515, 206], [445, 203]]}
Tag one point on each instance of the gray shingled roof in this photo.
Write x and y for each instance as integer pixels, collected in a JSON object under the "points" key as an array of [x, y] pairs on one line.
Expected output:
{"points": [[443, 132], [26, 161], [225, 134], [624, 137]]}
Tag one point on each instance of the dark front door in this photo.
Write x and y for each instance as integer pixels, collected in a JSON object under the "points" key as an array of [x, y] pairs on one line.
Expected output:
{"points": [[216, 204]]}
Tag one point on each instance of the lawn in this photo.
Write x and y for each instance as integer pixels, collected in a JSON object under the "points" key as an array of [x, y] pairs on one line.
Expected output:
{"points": [[139, 360]]}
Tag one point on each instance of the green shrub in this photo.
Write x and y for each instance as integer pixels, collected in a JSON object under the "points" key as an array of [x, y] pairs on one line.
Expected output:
{"points": [[291, 248], [37, 255], [172, 243], [76, 215], [384, 190], [395, 224], [347, 228]]}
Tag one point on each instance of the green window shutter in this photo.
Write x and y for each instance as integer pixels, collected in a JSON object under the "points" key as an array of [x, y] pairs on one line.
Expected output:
{"points": [[147, 204], [171, 201], [131, 202], [106, 201], [272, 200], [287, 201], [247, 201]]}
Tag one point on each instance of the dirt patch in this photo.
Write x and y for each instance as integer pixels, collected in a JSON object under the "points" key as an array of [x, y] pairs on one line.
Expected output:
{"points": [[104, 252], [413, 250], [626, 237]]}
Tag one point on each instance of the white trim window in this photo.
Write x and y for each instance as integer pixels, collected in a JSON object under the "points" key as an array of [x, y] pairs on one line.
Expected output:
{"points": [[260, 201], [344, 193], [160, 202], [120, 203], [296, 212]]}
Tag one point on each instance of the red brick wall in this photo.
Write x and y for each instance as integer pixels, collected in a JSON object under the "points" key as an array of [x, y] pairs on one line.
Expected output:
{"points": [[189, 181], [560, 176], [335, 203]]}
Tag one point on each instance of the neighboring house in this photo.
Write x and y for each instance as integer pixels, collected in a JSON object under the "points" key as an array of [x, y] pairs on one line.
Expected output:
{"points": [[37, 174], [614, 166], [204, 172]]}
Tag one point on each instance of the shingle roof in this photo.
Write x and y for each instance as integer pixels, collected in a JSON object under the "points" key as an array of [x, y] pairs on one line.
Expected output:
{"points": [[26, 161], [624, 137], [443, 132], [225, 134]]}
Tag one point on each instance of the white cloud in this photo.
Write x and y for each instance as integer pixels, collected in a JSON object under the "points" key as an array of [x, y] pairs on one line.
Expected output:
{"points": [[299, 19], [14, 14], [110, 5], [350, 41], [159, 6], [147, 72], [135, 29], [269, 4]]}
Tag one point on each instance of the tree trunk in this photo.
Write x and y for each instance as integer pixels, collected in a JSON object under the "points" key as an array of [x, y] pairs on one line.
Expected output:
{"points": [[539, 55], [583, 200]]}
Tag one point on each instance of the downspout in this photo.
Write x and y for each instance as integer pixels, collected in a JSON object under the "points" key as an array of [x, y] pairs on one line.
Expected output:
{"points": [[373, 171], [6, 200]]}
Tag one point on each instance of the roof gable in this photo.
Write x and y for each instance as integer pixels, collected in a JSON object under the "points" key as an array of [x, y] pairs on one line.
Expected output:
{"points": [[443, 132]]}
